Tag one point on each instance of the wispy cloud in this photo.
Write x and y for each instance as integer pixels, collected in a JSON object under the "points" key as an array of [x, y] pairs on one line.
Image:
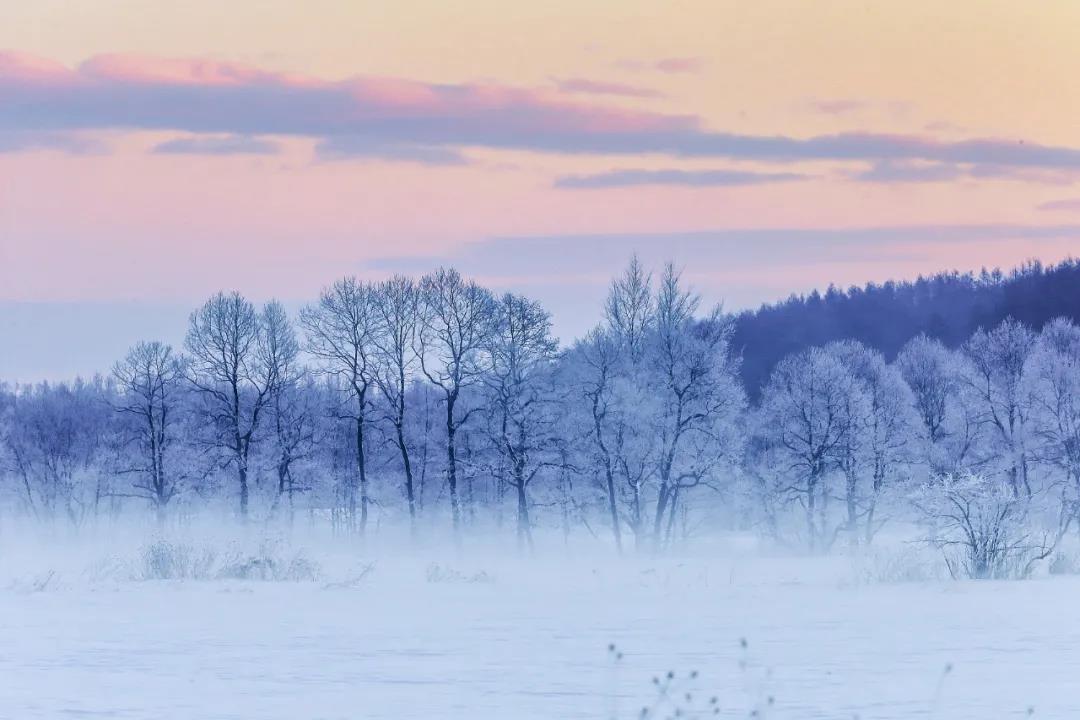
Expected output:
{"points": [[668, 66], [601, 87], [64, 141], [217, 145], [680, 65], [205, 97], [890, 171], [836, 107], [355, 147], [759, 248], [943, 126], [690, 178], [1070, 205]]}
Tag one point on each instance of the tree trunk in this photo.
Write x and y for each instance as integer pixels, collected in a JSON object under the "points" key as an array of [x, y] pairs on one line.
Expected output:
{"points": [[661, 507], [410, 493], [451, 468], [361, 465], [852, 511], [242, 473], [524, 525], [672, 506]]}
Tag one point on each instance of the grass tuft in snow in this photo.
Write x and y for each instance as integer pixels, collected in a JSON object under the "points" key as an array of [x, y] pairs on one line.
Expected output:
{"points": [[164, 560], [438, 574]]}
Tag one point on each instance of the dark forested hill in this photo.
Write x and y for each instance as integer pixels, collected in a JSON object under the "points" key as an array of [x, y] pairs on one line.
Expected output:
{"points": [[948, 306]]}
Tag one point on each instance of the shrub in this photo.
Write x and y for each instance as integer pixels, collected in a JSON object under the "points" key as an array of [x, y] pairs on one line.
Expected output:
{"points": [[162, 560], [984, 529]]}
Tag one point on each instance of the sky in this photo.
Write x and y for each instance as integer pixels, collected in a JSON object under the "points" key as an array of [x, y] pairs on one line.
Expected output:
{"points": [[153, 153]]}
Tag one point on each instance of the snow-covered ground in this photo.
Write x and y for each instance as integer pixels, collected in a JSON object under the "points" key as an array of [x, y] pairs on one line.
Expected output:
{"points": [[478, 636]]}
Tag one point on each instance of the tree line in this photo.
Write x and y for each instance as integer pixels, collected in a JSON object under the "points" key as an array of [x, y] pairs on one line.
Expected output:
{"points": [[436, 403], [947, 306]]}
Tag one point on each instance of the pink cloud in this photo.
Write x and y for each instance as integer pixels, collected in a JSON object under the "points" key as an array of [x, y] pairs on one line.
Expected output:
{"points": [[837, 107], [207, 97], [679, 65], [144, 69], [599, 87], [28, 68]]}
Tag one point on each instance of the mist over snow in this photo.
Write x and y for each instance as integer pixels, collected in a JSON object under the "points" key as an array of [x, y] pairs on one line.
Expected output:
{"points": [[405, 499]]}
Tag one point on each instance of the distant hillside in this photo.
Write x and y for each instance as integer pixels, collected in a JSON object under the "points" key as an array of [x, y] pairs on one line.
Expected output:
{"points": [[948, 306]]}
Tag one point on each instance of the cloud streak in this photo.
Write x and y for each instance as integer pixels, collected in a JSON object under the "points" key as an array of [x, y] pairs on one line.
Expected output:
{"points": [[760, 248], [358, 147], [688, 178], [66, 142], [679, 65], [205, 97], [600, 87], [837, 107], [1070, 205], [217, 145], [889, 171]]}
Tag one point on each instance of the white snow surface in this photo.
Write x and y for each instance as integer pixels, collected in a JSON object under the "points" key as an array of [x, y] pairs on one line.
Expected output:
{"points": [[497, 636]]}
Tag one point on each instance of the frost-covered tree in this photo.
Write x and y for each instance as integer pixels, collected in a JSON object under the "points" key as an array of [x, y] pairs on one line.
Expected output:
{"points": [[455, 323], [932, 372], [342, 329], [150, 393], [700, 398], [398, 309], [230, 367], [996, 380], [293, 400], [1053, 377], [590, 369], [879, 449], [521, 399], [809, 410], [632, 403], [58, 448]]}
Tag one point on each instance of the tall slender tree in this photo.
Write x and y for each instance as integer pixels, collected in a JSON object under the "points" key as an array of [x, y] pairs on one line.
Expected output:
{"points": [[150, 382], [342, 329], [455, 323], [229, 368], [398, 309]]}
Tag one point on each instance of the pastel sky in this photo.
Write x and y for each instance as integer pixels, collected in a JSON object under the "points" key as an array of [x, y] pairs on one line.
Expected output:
{"points": [[152, 153]]}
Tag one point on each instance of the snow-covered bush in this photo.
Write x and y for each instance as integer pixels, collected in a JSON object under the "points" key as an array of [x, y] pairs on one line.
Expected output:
{"points": [[438, 574], [163, 560], [269, 564], [984, 528], [1064, 563]]}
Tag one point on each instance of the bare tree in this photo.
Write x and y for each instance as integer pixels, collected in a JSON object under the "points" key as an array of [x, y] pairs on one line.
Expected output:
{"points": [[57, 446], [342, 329], [455, 322], [229, 368], [150, 386], [806, 414], [292, 399], [700, 395], [592, 366], [398, 309], [519, 383], [629, 308], [630, 314]]}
